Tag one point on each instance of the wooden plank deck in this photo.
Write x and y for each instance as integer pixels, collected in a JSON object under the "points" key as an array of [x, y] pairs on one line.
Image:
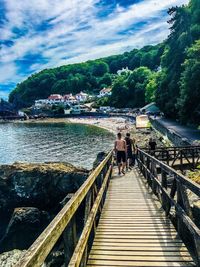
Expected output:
{"points": [[133, 230]]}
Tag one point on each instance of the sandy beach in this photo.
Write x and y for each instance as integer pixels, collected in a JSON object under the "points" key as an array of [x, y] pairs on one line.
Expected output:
{"points": [[112, 124], [116, 124]]}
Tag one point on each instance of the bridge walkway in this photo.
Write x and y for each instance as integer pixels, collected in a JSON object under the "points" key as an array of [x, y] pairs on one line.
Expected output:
{"points": [[133, 229]]}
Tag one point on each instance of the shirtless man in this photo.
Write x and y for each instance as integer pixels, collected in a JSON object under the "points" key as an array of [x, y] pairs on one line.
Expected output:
{"points": [[120, 150]]}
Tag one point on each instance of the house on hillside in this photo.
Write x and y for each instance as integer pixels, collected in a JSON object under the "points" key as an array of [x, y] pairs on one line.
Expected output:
{"points": [[123, 70], [55, 99], [81, 97], [40, 103], [70, 99], [105, 92]]}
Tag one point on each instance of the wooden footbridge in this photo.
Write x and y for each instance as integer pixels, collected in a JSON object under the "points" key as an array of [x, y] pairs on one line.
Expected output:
{"points": [[144, 218]]}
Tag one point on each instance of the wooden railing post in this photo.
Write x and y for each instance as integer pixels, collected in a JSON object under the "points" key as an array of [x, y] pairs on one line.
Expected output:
{"points": [[197, 250], [173, 188], [193, 158], [176, 198], [164, 199], [69, 234], [183, 202], [88, 202], [69, 240], [155, 175], [83, 240]]}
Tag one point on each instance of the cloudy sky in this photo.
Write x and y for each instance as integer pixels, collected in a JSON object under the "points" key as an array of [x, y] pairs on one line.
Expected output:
{"points": [[40, 34]]}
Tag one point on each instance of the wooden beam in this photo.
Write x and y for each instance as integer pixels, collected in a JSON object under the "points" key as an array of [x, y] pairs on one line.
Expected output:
{"points": [[80, 248], [37, 253]]}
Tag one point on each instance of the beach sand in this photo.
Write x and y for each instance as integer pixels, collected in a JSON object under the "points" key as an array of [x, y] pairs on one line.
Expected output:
{"points": [[112, 124], [116, 125]]}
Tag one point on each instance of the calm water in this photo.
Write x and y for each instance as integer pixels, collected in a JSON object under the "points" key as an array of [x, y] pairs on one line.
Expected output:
{"points": [[74, 143]]}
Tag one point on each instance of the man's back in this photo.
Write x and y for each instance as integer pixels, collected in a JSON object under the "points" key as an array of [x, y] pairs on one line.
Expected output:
{"points": [[120, 145]]}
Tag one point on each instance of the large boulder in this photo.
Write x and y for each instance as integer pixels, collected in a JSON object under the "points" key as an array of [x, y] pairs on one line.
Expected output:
{"points": [[100, 157], [37, 185], [24, 227]]}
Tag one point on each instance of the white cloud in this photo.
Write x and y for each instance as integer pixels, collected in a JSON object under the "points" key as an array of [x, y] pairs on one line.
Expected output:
{"points": [[7, 71], [64, 39]]}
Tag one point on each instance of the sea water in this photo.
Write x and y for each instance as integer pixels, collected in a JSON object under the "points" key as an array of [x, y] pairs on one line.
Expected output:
{"points": [[77, 144]]}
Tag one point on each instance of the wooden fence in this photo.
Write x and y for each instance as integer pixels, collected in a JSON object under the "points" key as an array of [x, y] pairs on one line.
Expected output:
{"points": [[175, 193], [91, 196], [177, 156]]}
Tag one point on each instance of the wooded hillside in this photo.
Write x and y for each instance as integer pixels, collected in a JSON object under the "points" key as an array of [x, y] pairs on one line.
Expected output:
{"points": [[168, 73]]}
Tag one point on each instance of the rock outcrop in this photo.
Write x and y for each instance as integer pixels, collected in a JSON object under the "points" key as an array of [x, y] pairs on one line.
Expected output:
{"points": [[24, 227], [100, 157], [37, 185], [30, 196]]}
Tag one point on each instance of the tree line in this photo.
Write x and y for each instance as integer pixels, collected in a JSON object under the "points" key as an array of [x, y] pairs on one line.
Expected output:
{"points": [[167, 73]]}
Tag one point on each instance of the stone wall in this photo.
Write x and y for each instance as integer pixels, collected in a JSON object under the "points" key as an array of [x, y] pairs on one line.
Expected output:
{"points": [[174, 137]]}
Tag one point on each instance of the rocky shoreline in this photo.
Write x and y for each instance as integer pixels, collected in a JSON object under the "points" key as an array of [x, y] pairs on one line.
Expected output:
{"points": [[30, 197], [31, 194]]}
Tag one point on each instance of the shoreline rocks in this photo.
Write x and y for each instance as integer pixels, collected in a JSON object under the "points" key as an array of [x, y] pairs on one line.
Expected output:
{"points": [[38, 185], [24, 227], [30, 196]]}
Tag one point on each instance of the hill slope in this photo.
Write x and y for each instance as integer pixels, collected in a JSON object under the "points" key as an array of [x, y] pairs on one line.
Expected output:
{"points": [[90, 76], [175, 86]]}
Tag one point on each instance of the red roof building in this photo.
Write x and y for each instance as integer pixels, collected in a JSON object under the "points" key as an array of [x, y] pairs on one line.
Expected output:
{"points": [[55, 97]]}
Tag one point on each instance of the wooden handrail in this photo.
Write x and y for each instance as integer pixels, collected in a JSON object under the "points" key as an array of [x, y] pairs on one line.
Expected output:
{"points": [[171, 189], [177, 156], [39, 250], [80, 248], [173, 147]]}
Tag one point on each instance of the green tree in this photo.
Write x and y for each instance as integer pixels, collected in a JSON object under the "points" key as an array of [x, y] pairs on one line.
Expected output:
{"points": [[151, 88], [100, 68], [137, 82], [119, 95], [189, 100], [60, 87], [106, 80]]}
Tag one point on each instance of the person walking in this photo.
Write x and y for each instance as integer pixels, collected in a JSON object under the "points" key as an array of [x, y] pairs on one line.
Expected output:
{"points": [[134, 152], [120, 150], [152, 146], [129, 146]]}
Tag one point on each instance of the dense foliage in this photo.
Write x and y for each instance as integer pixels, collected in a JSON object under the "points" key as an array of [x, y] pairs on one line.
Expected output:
{"points": [[178, 92], [134, 89], [168, 73], [90, 76]]}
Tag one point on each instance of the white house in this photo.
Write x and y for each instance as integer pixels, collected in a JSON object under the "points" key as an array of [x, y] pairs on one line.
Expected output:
{"points": [[41, 103], [55, 99], [70, 99], [123, 70], [105, 92], [81, 97]]}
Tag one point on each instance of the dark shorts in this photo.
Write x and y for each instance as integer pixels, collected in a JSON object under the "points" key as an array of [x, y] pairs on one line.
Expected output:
{"points": [[121, 156], [129, 154]]}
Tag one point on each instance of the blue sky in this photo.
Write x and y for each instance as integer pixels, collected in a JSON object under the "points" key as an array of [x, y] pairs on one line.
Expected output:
{"points": [[42, 34]]}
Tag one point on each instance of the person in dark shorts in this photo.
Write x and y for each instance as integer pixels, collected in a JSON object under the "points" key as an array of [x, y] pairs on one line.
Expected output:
{"points": [[129, 145], [120, 150], [152, 146], [134, 152]]}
